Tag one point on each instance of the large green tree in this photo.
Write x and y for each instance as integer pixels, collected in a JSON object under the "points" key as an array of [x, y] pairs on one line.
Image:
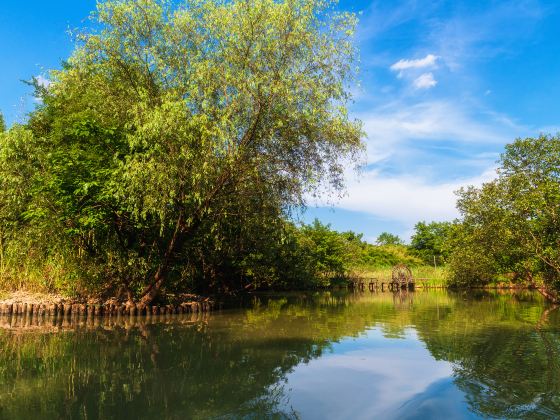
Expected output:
{"points": [[174, 132], [512, 224]]}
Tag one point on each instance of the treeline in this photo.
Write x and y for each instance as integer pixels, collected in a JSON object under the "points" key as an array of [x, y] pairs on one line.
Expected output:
{"points": [[171, 148], [508, 232], [315, 255]]}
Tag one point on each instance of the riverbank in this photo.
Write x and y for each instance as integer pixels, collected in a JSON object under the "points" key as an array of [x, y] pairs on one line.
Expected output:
{"points": [[37, 304], [425, 276], [22, 302]]}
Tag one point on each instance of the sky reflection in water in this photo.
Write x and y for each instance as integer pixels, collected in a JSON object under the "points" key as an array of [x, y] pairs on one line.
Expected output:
{"points": [[310, 356], [377, 377]]}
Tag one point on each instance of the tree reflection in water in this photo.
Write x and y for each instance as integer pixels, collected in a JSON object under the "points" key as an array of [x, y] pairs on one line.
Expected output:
{"points": [[504, 350]]}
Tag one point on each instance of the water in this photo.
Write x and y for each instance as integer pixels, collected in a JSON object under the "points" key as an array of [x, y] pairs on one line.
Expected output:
{"points": [[310, 356]]}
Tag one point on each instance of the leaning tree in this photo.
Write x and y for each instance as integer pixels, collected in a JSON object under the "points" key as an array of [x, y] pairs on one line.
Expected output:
{"points": [[172, 128]]}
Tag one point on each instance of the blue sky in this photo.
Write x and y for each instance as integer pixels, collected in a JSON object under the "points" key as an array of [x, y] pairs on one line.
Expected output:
{"points": [[444, 85]]}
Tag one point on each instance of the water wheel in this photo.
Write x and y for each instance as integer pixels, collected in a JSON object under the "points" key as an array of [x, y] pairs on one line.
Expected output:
{"points": [[401, 275]]}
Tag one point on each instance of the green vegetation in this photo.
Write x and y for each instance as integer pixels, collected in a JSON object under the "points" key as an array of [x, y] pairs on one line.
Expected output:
{"points": [[425, 275], [386, 238], [315, 255], [324, 257], [172, 145], [510, 227], [171, 149], [430, 242]]}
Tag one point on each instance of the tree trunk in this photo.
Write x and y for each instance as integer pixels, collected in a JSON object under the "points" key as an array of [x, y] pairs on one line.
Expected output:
{"points": [[549, 295], [151, 291]]}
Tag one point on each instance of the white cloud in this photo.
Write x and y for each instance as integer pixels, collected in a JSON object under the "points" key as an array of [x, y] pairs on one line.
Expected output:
{"points": [[428, 61], [398, 127], [406, 198], [425, 81], [411, 69], [411, 176]]}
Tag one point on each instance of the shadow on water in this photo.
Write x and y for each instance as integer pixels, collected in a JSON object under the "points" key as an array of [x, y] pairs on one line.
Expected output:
{"points": [[499, 355]]}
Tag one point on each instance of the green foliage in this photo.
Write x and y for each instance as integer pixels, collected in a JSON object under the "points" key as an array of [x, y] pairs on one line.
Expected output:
{"points": [[510, 225], [2, 123], [424, 275], [386, 238], [305, 257], [315, 255], [330, 252], [430, 241], [387, 256], [168, 150]]}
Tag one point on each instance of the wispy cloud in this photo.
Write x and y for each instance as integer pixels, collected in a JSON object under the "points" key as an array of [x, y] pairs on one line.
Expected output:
{"points": [[419, 155], [381, 17], [500, 30], [400, 124], [420, 63], [425, 81], [406, 198]]}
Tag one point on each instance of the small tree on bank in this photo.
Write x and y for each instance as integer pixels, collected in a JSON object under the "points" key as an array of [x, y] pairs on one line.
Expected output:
{"points": [[386, 238]]}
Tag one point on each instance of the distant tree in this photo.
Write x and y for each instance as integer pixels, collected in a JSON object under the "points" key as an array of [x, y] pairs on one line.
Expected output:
{"points": [[430, 241], [387, 238], [2, 123]]}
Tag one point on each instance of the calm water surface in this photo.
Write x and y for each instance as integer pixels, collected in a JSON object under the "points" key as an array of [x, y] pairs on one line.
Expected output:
{"points": [[310, 356]]}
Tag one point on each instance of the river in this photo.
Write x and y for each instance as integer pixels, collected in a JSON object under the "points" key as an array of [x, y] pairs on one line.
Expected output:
{"points": [[329, 355]]}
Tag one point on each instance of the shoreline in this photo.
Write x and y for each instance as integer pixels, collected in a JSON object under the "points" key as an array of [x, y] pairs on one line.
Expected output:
{"points": [[23, 303], [67, 315]]}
